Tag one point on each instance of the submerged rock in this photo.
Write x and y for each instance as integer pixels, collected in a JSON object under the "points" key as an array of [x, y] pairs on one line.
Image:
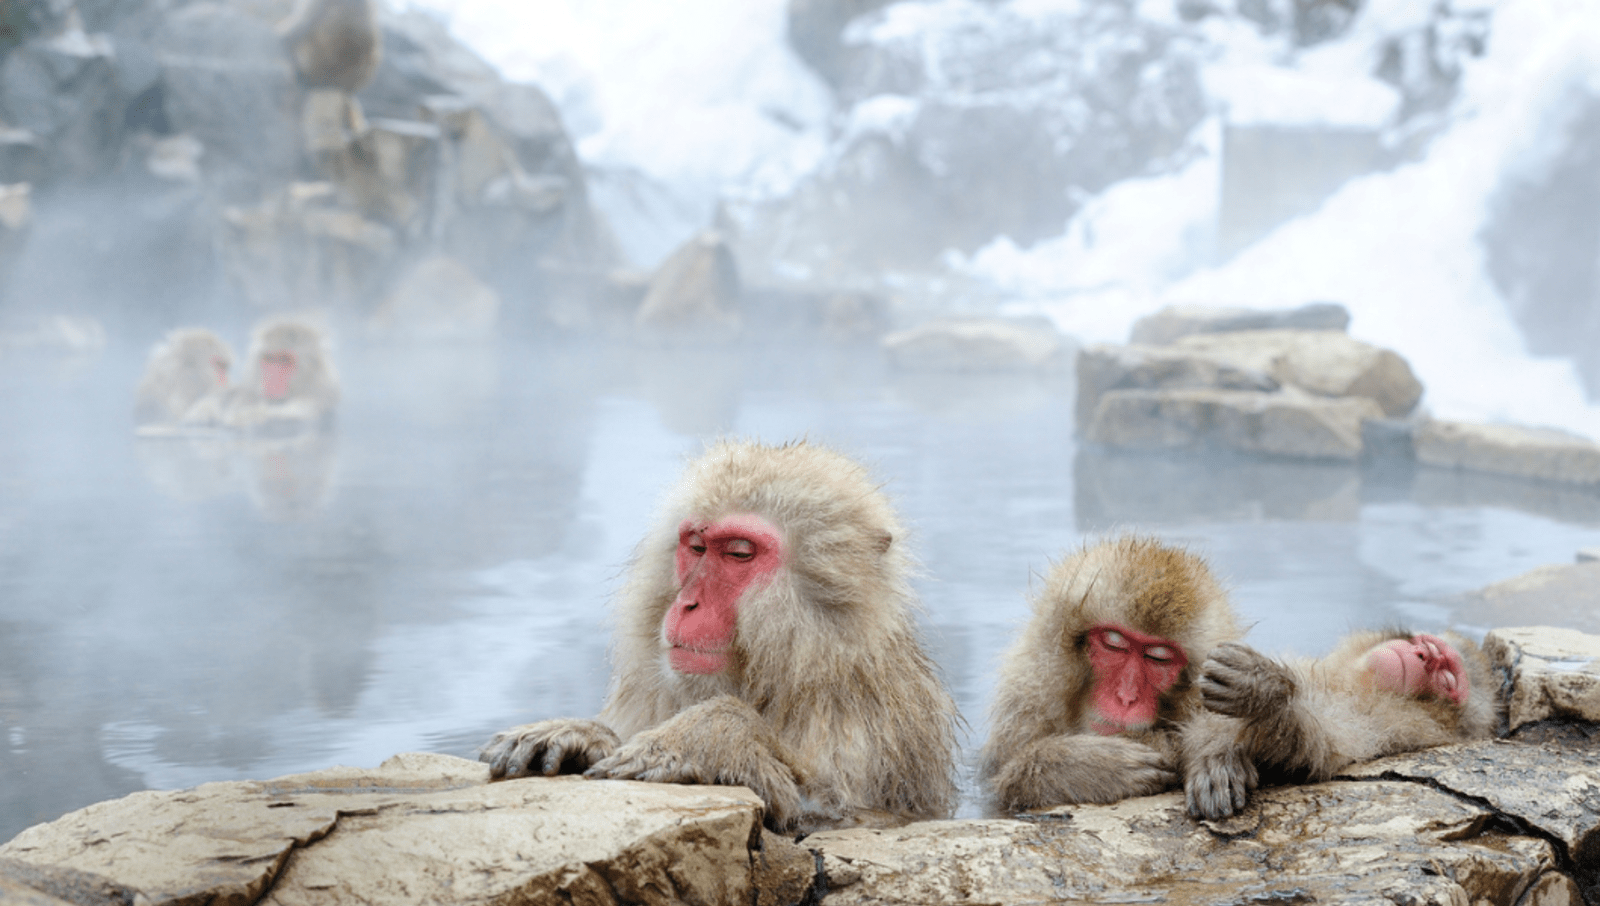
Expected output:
{"points": [[1544, 453], [976, 345]]}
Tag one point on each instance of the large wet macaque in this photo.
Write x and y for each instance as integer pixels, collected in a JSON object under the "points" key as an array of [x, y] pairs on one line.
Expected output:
{"points": [[1093, 694], [1377, 693], [186, 366], [766, 638]]}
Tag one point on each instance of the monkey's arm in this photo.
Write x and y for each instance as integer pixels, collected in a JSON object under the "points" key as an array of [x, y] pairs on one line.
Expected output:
{"points": [[1218, 774], [548, 747], [1285, 719], [721, 740], [1076, 768]]}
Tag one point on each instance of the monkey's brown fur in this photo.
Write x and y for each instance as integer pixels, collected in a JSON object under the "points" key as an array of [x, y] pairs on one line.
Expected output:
{"points": [[180, 372], [334, 43], [1307, 719], [830, 709], [1042, 750]]}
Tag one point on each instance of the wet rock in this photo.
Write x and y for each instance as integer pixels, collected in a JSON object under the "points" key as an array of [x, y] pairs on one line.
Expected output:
{"points": [[420, 828], [1554, 672], [1176, 321], [1104, 367], [1544, 453], [1335, 842], [976, 345], [1552, 786], [1324, 362], [1289, 423], [439, 298], [299, 249], [22, 884], [1588, 554], [694, 295], [334, 43]]}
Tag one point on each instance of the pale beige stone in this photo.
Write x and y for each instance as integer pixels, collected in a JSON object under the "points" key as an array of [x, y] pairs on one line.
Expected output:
{"points": [[1104, 367], [1555, 673], [1286, 423], [1543, 453], [438, 298], [695, 293], [1323, 362], [966, 345]]}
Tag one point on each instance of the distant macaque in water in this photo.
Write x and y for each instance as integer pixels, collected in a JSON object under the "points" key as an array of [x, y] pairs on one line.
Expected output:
{"points": [[289, 385], [766, 638], [186, 366], [1093, 694], [1377, 693]]}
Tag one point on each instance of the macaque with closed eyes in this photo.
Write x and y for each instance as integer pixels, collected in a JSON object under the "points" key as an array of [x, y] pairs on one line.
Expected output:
{"points": [[767, 639], [1377, 693], [1093, 693], [188, 365]]}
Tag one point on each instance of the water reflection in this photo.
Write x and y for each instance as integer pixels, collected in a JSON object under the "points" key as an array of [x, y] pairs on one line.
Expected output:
{"points": [[440, 567]]}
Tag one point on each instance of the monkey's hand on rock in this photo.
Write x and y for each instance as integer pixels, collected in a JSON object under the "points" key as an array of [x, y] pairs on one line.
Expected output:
{"points": [[1241, 682], [721, 741], [1218, 784], [548, 747], [1063, 770]]}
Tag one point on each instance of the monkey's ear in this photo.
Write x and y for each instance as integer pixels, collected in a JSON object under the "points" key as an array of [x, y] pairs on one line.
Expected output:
{"points": [[884, 542]]}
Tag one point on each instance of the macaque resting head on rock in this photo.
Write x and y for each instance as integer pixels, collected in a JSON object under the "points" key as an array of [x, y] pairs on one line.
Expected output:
{"points": [[1094, 691], [185, 367], [1377, 693], [766, 638]]}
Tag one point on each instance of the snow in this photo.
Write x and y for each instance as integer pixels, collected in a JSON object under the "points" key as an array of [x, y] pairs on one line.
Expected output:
{"points": [[701, 98]]}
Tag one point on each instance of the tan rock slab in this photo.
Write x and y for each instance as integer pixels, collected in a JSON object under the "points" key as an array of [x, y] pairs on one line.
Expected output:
{"points": [[1555, 672], [976, 345], [1177, 321], [1368, 842], [1287, 423], [419, 829], [1323, 362], [695, 293], [1544, 453]]}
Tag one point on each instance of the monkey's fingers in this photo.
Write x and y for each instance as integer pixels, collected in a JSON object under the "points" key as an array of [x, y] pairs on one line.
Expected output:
{"points": [[646, 761], [1219, 786]]}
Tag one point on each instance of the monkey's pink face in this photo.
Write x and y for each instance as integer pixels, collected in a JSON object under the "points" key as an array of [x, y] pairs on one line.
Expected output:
{"points": [[219, 370], [277, 369], [717, 564], [1131, 673], [1421, 665]]}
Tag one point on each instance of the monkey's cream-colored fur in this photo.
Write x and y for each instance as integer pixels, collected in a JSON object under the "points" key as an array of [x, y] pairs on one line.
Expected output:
{"points": [[1042, 750], [830, 709], [181, 371], [1307, 719]]}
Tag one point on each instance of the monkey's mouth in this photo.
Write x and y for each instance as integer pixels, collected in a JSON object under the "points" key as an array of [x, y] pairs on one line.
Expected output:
{"points": [[1105, 726], [701, 661]]}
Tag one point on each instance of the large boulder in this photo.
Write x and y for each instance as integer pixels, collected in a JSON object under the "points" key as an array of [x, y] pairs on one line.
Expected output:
{"points": [[1288, 423], [1544, 453], [1554, 673], [1324, 362], [1104, 367], [694, 294], [59, 92]]}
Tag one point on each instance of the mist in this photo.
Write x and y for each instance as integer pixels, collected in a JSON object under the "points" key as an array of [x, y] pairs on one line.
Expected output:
{"points": [[439, 565]]}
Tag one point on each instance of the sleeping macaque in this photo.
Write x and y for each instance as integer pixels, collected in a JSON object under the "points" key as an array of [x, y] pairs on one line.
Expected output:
{"points": [[289, 386], [1093, 694], [186, 366], [766, 638], [1377, 693]]}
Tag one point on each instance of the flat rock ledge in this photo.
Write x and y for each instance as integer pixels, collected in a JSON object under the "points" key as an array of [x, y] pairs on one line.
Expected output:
{"points": [[1513, 820]]}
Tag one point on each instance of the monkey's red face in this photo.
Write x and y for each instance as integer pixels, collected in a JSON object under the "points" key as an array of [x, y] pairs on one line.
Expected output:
{"points": [[718, 562], [1131, 672], [277, 369], [219, 369], [1421, 665]]}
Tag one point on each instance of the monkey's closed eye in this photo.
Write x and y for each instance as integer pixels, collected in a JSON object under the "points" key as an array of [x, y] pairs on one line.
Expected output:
{"points": [[1114, 639], [740, 549], [1159, 653]]}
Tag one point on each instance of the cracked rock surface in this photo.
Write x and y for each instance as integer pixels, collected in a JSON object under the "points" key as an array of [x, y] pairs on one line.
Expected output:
{"points": [[1507, 821]]}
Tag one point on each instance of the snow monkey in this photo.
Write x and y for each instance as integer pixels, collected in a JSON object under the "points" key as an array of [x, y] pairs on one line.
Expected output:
{"points": [[334, 43], [184, 367], [1377, 693], [289, 387], [1092, 694], [766, 638]]}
